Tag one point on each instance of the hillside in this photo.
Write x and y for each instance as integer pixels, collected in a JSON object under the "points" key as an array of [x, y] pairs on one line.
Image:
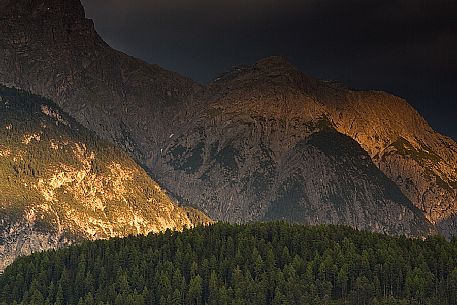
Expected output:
{"points": [[419, 160], [273, 263], [422, 162], [60, 183]]}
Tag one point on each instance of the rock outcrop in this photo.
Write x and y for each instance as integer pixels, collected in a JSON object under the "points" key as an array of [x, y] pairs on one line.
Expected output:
{"points": [[61, 184], [422, 162]]}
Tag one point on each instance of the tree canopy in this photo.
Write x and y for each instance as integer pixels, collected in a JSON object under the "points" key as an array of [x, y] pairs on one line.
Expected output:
{"points": [[262, 263]]}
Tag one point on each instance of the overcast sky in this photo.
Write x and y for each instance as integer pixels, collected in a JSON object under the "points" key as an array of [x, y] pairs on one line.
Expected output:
{"points": [[407, 47]]}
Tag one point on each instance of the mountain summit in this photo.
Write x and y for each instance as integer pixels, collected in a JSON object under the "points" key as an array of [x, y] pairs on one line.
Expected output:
{"points": [[267, 149], [68, 9]]}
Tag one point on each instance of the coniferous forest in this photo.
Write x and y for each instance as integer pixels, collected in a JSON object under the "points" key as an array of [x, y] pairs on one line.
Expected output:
{"points": [[264, 263]]}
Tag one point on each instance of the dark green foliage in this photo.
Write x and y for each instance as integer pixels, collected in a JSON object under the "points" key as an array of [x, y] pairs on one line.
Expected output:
{"points": [[24, 113], [405, 148], [264, 263], [187, 159], [39, 142]]}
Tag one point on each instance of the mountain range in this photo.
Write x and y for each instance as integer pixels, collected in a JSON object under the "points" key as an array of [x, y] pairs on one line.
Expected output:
{"points": [[260, 142]]}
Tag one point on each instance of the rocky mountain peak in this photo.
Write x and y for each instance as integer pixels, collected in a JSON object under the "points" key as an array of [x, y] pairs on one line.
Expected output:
{"points": [[272, 72], [70, 9], [273, 62]]}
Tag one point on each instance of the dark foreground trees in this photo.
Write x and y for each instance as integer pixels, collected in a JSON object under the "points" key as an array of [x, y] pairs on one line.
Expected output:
{"points": [[273, 263]]}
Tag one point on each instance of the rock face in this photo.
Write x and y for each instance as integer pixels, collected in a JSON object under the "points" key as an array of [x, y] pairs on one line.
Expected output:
{"points": [[422, 162], [250, 145], [49, 48], [265, 150], [60, 183]]}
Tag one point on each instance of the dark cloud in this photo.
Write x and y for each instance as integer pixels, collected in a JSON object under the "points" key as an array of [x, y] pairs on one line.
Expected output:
{"points": [[407, 47]]}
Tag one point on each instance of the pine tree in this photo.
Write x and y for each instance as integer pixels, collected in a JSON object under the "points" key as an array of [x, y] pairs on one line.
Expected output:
{"points": [[195, 290]]}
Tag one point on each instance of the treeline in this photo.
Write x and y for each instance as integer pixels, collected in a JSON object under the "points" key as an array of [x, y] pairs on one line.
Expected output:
{"points": [[36, 137], [22, 113], [264, 263]]}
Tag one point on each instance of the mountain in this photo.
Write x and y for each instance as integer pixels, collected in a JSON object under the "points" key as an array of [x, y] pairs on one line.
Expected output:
{"points": [[422, 162], [260, 142], [264, 150], [61, 184]]}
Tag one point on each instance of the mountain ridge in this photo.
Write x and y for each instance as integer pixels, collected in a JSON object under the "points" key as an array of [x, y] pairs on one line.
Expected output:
{"points": [[390, 130], [68, 43], [237, 153], [178, 128]]}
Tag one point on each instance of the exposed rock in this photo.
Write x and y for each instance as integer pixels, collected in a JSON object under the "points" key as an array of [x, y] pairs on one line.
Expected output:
{"points": [[422, 162], [49, 48], [266, 150], [61, 184]]}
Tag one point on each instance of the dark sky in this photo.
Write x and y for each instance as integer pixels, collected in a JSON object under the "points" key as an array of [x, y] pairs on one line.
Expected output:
{"points": [[407, 47]]}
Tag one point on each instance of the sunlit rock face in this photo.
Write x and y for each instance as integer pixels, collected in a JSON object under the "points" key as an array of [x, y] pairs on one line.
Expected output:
{"points": [[61, 184], [244, 139], [422, 162]]}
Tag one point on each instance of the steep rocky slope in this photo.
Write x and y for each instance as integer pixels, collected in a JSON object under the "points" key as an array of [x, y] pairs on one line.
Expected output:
{"points": [[422, 162], [264, 150], [60, 183], [49, 48]]}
